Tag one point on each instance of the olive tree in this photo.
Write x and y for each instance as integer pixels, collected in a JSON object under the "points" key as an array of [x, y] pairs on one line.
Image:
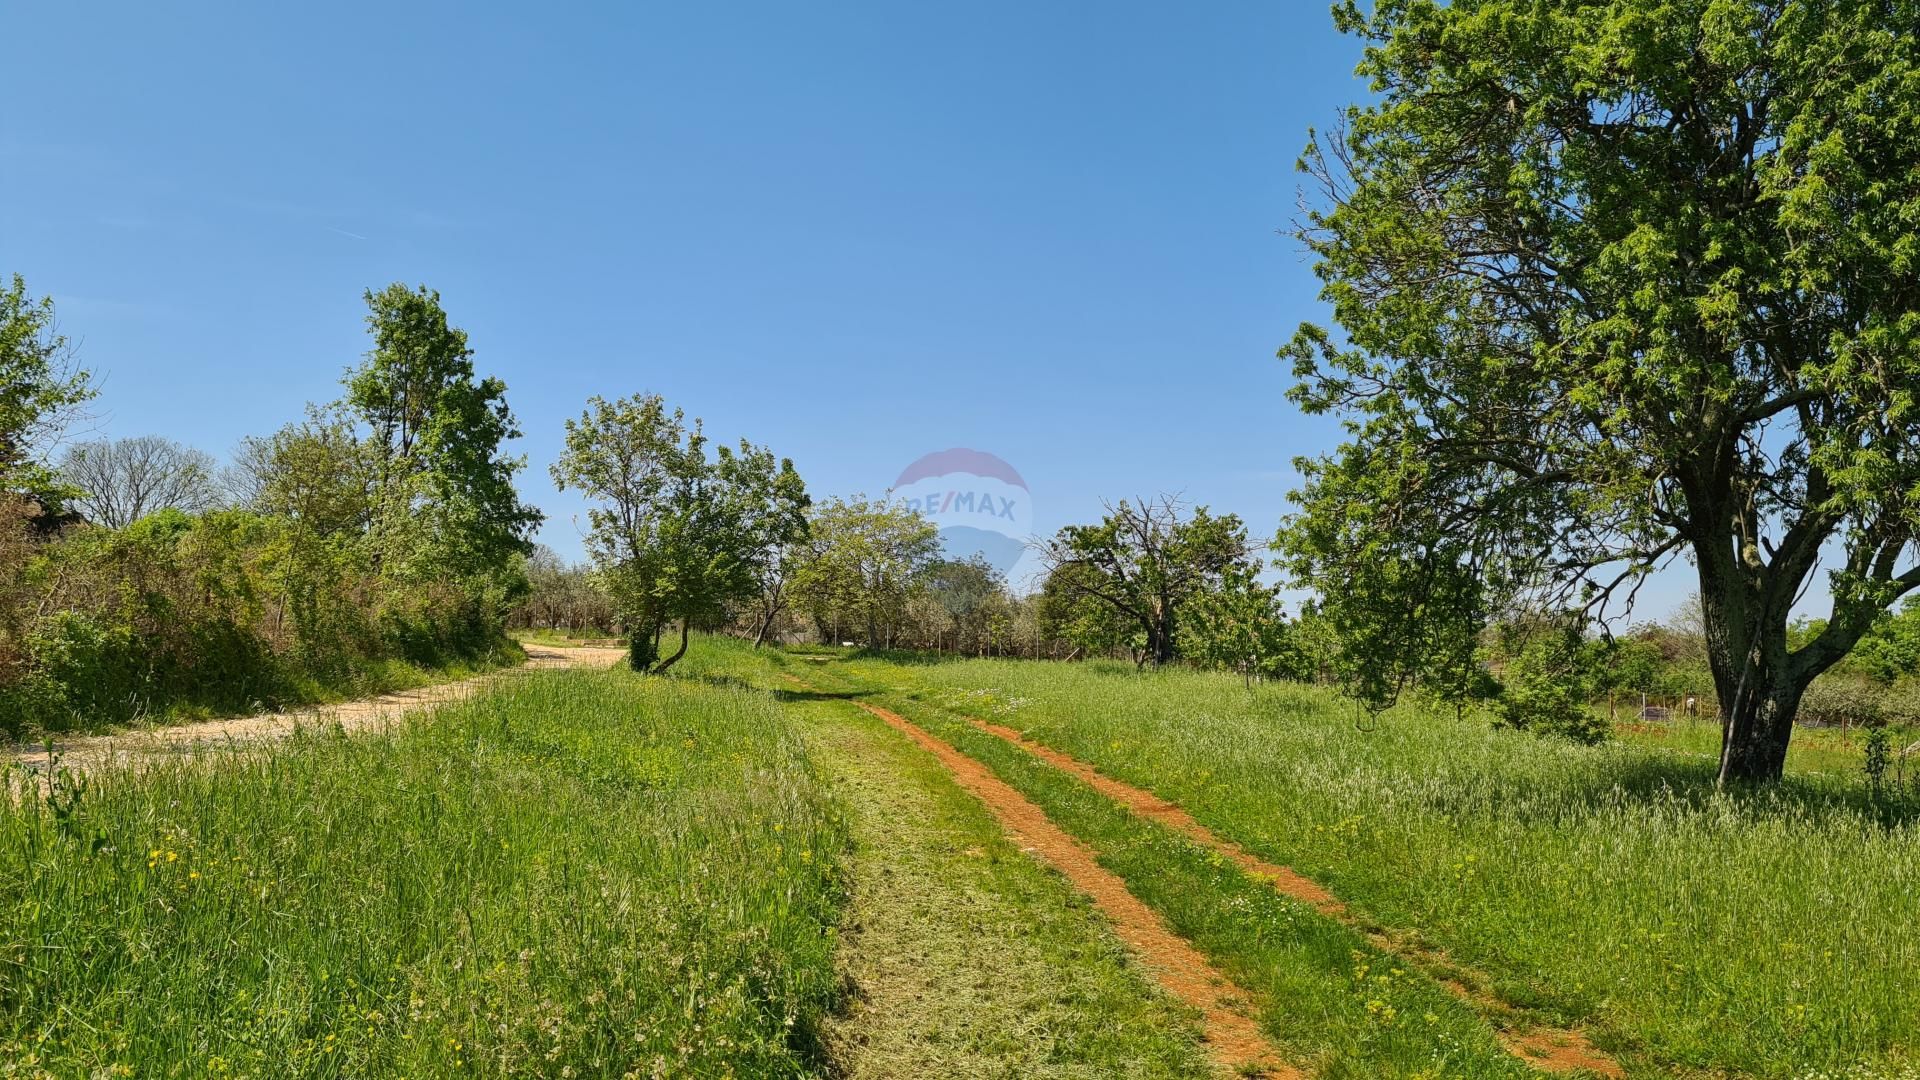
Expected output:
{"points": [[1616, 283]]}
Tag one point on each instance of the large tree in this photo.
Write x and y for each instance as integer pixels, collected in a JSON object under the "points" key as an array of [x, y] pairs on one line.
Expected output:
{"points": [[1145, 561], [120, 481], [445, 503], [41, 392], [1620, 281]]}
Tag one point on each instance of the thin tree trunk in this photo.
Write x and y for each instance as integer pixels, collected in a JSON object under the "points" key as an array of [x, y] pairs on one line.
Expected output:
{"points": [[686, 627]]}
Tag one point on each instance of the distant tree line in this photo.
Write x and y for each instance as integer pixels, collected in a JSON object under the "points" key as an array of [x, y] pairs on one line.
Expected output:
{"points": [[139, 580]]}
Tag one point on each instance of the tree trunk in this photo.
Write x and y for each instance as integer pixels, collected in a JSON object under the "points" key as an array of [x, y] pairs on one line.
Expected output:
{"points": [[686, 625], [642, 649], [1755, 730]]}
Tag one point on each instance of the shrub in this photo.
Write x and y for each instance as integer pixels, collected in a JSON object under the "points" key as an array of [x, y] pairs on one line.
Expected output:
{"points": [[1548, 687]]}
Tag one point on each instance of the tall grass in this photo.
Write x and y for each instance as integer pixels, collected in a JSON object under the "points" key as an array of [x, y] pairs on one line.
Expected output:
{"points": [[574, 874], [1764, 935]]}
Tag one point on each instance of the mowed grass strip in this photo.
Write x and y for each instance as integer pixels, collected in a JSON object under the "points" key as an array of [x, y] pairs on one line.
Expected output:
{"points": [[578, 874], [1325, 994], [1696, 933], [962, 956]]}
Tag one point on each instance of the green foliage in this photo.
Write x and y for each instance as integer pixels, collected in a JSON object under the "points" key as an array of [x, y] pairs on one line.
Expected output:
{"points": [[1550, 683], [1071, 612], [677, 535], [969, 593], [570, 875], [40, 390], [1891, 649], [372, 542], [443, 501], [863, 561], [1240, 625], [1617, 282], [1146, 562]]}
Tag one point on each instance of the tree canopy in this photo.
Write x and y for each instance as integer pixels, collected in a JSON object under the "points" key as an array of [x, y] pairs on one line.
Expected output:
{"points": [[444, 495], [1144, 561], [1618, 282], [865, 559], [678, 535], [41, 390]]}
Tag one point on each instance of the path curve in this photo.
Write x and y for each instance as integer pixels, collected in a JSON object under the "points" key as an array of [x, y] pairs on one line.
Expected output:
{"points": [[83, 753]]}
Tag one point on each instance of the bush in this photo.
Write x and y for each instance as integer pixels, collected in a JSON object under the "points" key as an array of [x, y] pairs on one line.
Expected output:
{"points": [[228, 612], [1548, 687]]}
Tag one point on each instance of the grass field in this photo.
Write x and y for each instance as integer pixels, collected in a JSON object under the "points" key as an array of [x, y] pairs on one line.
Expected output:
{"points": [[1695, 933], [576, 874], [962, 956], [1837, 752], [600, 874]]}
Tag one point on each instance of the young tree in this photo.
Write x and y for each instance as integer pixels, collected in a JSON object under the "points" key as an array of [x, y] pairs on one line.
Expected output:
{"points": [[41, 392], [773, 504], [317, 472], [1618, 282], [1240, 625], [1146, 561], [678, 536], [121, 481], [445, 504]]}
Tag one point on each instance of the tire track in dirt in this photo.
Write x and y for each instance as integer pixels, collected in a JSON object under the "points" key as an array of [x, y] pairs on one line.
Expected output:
{"points": [[1552, 1049], [87, 753], [1233, 1038]]}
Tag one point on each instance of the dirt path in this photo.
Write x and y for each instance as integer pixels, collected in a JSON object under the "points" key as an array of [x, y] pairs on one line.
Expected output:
{"points": [[1233, 1038], [1547, 1048], [86, 752], [959, 955]]}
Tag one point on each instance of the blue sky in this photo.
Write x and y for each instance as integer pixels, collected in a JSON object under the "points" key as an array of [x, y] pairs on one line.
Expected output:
{"points": [[855, 233]]}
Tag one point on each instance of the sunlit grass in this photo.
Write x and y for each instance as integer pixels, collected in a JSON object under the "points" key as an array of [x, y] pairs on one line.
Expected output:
{"points": [[575, 874], [1755, 935], [1836, 751]]}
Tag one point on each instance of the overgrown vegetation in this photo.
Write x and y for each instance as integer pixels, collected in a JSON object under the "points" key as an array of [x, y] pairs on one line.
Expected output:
{"points": [[1613, 886], [1615, 283], [573, 875], [355, 551]]}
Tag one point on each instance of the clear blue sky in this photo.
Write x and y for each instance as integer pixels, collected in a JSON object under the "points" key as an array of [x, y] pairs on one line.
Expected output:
{"points": [[853, 232]]}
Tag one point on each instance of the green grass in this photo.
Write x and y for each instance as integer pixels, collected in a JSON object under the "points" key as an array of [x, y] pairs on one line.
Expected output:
{"points": [[575, 874], [1835, 752], [963, 956], [1330, 998], [1701, 934]]}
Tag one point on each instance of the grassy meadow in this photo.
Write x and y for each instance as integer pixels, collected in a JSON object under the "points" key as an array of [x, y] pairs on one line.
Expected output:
{"points": [[1693, 933], [600, 874], [575, 874]]}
